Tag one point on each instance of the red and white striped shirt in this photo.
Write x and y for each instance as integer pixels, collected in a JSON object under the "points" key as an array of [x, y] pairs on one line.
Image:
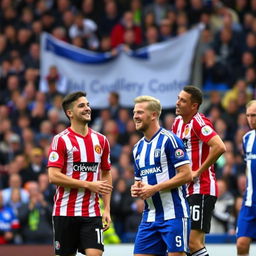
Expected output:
{"points": [[195, 136], [81, 158]]}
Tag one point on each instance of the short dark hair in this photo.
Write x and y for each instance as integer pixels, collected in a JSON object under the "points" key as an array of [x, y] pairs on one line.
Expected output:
{"points": [[70, 98], [196, 94]]}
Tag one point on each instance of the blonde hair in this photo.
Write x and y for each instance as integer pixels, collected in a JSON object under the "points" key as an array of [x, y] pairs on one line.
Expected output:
{"points": [[250, 103], [154, 104]]}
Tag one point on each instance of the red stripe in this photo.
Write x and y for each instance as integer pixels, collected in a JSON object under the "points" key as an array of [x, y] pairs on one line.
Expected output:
{"points": [[58, 202]]}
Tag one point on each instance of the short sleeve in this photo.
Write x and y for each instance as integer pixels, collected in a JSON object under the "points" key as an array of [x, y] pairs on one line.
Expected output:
{"points": [[205, 132], [57, 153], [176, 151], [105, 159]]}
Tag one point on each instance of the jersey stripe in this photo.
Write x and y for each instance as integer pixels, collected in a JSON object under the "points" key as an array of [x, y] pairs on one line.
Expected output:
{"points": [[80, 158], [69, 196], [154, 163], [195, 140]]}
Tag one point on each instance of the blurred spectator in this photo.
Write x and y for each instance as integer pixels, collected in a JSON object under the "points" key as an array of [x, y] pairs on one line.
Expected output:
{"points": [[113, 104], [118, 31], [46, 188], [120, 205], [35, 217], [54, 83], [222, 219], [159, 8], [32, 59], [166, 30], [133, 220], [36, 165], [85, 28], [9, 223], [151, 36], [232, 94], [15, 183], [109, 18]]}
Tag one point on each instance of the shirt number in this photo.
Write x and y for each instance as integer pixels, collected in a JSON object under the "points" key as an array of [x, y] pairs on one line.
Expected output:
{"points": [[99, 235]]}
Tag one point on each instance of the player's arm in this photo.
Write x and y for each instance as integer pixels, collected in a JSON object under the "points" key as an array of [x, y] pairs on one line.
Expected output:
{"points": [[106, 218], [60, 179], [217, 148], [183, 176]]}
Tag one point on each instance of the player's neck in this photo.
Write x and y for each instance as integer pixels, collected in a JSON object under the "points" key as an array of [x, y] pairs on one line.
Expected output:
{"points": [[186, 119], [80, 129], [151, 131]]}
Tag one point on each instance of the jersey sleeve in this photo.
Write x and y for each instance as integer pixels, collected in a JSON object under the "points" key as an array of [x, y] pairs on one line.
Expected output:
{"points": [[175, 148], [105, 158], [204, 130], [57, 153]]}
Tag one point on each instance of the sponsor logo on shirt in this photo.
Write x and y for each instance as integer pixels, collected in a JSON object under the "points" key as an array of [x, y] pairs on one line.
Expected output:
{"points": [[85, 167], [179, 153], [151, 170], [54, 156], [206, 130], [250, 156]]}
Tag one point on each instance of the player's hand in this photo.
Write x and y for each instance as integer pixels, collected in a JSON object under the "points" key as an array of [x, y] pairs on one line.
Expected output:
{"points": [[195, 175], [135, 189], [101, 187], [106, 220], [146, 191]]}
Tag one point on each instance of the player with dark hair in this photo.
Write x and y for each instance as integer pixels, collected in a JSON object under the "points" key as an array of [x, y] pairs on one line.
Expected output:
{"points": [[204, 147], [79, 165]]}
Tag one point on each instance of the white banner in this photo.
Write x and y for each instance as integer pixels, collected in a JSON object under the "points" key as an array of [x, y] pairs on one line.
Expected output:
{"points": [[160, 70]]}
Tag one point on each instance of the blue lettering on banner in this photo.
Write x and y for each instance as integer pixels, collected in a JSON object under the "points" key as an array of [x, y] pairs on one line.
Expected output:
{"points": [[96, 86], [159, 87], [76, 86]]}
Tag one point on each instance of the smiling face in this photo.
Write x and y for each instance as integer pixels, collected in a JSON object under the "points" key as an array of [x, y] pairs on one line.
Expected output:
{"points": [[80, 111], [142, 117]]}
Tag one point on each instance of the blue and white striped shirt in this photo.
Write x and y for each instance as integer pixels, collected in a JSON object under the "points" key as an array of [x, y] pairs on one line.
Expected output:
{"points": [[249, 147], [155, 161]]}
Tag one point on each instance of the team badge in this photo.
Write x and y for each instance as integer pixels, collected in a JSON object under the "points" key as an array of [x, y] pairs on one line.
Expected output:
{"points": [[186, 131], [54, 156], [157, 152], [179, 153], [57, 245], [97, 149], [206, 130]]}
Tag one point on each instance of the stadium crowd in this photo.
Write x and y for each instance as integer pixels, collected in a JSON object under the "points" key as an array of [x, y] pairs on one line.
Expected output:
{"points": [[30, 117]]}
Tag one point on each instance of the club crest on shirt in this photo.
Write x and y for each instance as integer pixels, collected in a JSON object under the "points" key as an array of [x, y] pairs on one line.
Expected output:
{"points": [[54, 156], [97, 149], [179, 153], [186, 131], [157, 152], [206, 130]]}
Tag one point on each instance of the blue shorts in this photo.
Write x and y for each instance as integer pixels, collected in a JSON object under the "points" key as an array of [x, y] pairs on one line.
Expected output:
{"points": [[246, 223], [161, 236]]}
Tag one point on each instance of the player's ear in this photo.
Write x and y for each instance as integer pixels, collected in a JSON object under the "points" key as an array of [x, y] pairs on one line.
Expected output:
{"points": [[154, 115], [69, 113], [195, 105]]}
